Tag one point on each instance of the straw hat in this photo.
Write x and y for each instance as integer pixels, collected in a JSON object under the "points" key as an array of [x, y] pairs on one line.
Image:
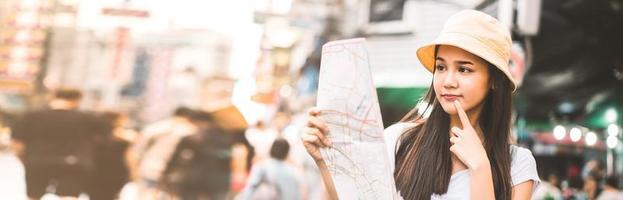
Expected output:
{"points": [[477, 33]]}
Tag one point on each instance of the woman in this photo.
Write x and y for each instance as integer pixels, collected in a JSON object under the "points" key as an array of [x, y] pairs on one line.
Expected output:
{"points": [[461, 149]]}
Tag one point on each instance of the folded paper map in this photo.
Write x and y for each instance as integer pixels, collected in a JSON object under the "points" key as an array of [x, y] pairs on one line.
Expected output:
{"points": [[357, 159]]}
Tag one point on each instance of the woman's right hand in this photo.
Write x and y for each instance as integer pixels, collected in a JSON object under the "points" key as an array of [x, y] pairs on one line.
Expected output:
{"points": [[314, 134], [314, 137]]}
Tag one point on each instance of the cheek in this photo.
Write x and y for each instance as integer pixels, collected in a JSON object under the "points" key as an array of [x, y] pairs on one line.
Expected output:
{"points": [[437, 88], [437, 83], [475, 92]]}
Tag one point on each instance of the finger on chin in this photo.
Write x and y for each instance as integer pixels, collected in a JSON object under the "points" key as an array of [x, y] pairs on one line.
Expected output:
{"points": [[462, 115]]}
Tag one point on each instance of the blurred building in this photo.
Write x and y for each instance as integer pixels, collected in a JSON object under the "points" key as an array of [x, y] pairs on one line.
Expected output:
{"points": [[22, 36], [146, 57]]}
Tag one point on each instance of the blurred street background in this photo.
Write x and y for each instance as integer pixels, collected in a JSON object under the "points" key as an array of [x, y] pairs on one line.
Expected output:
{"points": [[163, 99]]}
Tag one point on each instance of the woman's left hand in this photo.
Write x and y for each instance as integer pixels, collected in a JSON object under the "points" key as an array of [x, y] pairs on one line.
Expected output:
{"points": [[466, 144]]}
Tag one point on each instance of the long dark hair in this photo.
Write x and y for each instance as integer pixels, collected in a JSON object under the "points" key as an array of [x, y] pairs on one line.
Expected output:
{"points": [[423, 160]]}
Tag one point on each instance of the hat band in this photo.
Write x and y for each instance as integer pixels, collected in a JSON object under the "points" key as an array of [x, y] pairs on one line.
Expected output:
{"points": [[498, 50]]}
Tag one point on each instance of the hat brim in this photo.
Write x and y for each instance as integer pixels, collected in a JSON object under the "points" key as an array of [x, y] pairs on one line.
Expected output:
{"points": [[426, 53]]}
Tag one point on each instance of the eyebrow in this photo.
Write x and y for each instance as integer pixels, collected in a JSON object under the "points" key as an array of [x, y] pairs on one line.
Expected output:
{"points": [[459, 62]]}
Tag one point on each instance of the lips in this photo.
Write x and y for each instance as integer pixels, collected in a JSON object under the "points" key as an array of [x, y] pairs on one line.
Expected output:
{"points": [[450, 97]]}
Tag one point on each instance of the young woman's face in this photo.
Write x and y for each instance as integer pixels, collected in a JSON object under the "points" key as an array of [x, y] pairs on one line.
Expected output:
{"points": [[460, 75]]}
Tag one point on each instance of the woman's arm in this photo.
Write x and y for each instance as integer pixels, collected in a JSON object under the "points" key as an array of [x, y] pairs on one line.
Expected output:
{"points": [[484, 181], [481, 182], [523, 191], [313, 137], [467, 146], [326, 177]]}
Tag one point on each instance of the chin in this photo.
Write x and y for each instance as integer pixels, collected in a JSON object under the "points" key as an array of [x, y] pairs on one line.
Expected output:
{"points": [[449, 109]]}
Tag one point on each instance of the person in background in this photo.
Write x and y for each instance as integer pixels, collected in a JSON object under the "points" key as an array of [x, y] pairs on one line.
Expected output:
{"points": [[111, 166], [56, 145], [610, 190], [594, 168], [273, 178], [586, 188], [154, 148], [548, 189], [200, 167], [589, 189], [13, 181], [260, 137]]}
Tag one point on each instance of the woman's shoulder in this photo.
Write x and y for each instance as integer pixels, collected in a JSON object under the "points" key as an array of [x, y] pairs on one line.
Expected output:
{"points": [[393, 132], [392, 135], [520, 154], [523, 166], [398, 128]]}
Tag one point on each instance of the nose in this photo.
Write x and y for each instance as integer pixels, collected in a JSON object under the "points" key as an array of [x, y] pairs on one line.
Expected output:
{"points": [[449, 80]]}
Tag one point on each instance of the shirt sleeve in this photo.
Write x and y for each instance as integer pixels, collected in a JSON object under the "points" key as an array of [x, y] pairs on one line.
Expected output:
{"points": [[255, 177], [523, 168]]}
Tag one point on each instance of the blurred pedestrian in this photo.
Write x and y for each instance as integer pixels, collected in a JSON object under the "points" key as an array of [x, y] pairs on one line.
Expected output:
{"points": [[548, 190], [594, 168], [591, 187], [260, 137], [610, 190], [58, 146], [273, 178], [200, 167], [154, 148], [111, 166], [13, 181]]}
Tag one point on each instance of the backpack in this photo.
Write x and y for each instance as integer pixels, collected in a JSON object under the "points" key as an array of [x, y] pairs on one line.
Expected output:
{"points": [[155, 152], [200, 161]]}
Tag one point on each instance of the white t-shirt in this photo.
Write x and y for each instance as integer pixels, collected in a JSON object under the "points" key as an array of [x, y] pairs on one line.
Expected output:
{"points": [[523, 166], [13, 182]]}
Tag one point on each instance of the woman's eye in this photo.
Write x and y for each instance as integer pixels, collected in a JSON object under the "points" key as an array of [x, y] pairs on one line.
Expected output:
{"points": [[440, 67], [465, 69]]}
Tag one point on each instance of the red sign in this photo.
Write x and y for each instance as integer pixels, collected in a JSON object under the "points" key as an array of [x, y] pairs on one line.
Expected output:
{"points": [[120, 45], [124, 12]]}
